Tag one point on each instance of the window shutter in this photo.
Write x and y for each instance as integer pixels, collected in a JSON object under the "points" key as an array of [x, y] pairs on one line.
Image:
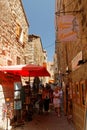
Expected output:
{"points": [[18, 30]]}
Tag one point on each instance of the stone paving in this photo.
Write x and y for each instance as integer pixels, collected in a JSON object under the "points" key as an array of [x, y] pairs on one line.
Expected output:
{"points": [[48, 121]]}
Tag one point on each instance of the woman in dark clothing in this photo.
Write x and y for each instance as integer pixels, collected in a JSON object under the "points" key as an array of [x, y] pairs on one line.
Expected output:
{"points": [[45, 97]]}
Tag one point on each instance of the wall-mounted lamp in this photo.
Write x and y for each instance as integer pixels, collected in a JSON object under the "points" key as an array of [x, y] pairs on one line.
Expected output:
{"points": [[7, 99], [68, 71], [80, 62]]}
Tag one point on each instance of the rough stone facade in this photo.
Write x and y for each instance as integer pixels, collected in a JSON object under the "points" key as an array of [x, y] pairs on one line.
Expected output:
{"points": [[12, 13], [36, 53], [68, 57], [12, 45], [15, 45]]}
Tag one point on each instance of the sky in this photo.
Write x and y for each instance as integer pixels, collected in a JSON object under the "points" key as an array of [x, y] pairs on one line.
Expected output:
{"points": [[40, 15]]}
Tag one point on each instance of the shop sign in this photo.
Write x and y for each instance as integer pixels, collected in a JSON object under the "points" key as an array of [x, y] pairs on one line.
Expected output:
{"points": [[68, 28]]}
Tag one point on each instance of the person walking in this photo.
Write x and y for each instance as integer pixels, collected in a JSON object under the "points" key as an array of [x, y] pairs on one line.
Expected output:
{"points": [[56, 100], [45, 97], [61, 98], [41, 105]]}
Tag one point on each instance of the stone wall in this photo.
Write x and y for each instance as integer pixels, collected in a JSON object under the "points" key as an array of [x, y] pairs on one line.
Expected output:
{"points": [[11, 14], [78, 9], [37, 55]]}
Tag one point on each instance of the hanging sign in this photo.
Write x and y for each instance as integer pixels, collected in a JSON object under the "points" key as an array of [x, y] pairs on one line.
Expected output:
{"points": [[67, 28]]}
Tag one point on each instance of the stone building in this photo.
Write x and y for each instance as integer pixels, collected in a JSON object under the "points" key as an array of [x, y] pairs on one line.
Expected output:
{"points": [[13, 31], [72, 57], [35, 50], [35, 54], [16, 47], [13, 39]]}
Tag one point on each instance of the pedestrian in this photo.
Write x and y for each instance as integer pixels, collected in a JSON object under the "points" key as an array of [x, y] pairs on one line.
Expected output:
{"points": [[41, 105], [61, 98], [56, 100], [51, 95], [46, 99]]}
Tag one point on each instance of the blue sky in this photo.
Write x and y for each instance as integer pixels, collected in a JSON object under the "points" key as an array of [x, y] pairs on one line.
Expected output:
{"points": [[40, 15]]}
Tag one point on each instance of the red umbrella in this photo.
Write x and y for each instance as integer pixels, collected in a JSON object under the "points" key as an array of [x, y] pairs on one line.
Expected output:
{"points": [[29, 70]]}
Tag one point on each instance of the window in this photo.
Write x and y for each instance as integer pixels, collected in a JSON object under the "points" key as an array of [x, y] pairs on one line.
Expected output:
{"points": [[25, 59], [18, 30], [18, 60], [19, 33], [17, 95], [21, 36], [9, 62], [83, 92]]}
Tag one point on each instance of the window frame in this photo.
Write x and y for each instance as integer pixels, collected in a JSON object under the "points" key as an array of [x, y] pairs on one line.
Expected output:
{"points": [[78, 93], [20, 33], [84, 82]]}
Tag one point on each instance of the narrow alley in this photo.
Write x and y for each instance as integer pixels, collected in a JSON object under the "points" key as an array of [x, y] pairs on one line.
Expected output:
{"points": [[48, 121], [43, 62]]}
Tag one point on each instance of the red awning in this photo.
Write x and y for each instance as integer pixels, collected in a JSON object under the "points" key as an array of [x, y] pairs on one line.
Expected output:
{"points": [[29, 70]]}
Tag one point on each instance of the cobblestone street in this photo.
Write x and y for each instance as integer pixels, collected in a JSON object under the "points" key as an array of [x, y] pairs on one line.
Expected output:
{"points": [[48, 121]]}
